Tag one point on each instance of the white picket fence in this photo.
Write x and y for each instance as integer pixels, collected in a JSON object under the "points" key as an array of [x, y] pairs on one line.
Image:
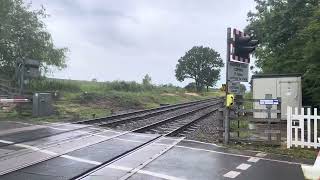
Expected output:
{"points": [[296, 131]]}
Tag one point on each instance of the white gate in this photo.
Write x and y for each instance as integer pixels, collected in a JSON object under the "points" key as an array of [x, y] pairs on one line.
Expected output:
{"points": [[302, 129]]}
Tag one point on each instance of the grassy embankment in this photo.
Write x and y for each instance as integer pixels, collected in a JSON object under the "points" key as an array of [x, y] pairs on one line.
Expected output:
{"points": [[83, 99]]}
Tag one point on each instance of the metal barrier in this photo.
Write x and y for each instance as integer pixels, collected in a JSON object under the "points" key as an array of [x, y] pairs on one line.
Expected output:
{"points": [[14, 101], [266, 128]]}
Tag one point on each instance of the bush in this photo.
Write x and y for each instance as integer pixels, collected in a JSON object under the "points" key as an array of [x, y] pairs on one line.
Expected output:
{"points": [[97, 87], [53, 85]]}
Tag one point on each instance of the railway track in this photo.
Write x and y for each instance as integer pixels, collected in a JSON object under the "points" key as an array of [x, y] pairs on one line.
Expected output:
{"points": [[174, 125], [178, 117], [141, 114], [168, 127]]}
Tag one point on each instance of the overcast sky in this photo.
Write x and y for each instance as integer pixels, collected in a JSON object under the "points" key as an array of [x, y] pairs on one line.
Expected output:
{"points": [[126, 39]]}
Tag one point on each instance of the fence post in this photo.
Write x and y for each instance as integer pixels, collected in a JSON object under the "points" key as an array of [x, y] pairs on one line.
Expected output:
{"points": [[309, 126], [315, 127], [301, 117], [279, 117], [289, 130]]}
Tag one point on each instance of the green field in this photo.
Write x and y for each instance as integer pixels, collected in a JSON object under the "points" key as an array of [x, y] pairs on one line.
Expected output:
{"points": [[84, 99]]}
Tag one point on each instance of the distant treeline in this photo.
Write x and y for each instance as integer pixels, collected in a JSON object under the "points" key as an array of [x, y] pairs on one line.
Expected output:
{"points": [[51, 84]]}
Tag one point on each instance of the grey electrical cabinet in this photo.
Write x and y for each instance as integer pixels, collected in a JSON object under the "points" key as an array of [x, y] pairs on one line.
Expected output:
{"points": [[273, 86], [42, 104]]}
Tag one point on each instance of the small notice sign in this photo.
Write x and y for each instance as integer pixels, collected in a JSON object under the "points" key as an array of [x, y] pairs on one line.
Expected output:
{"points": [[268, 101], [238, 72], [235, 88]]}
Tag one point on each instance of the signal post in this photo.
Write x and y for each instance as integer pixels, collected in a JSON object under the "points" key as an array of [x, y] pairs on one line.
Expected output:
{"points": [[239, 48]]}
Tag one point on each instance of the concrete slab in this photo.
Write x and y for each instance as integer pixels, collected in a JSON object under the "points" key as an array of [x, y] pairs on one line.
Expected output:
{"points": [[30, 135], [37, 132], [130, 163], [200, 161], [183, 163], [42, 143], [266, 170], [109, 149], [57, 168], [79, 161], [55, 152], [13, 163], [6, 125]]}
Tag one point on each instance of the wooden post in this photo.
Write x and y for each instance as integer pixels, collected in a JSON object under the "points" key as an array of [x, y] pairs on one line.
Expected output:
{"points": [[289, 130], [227, 110], [279, 117], [315, 127]]}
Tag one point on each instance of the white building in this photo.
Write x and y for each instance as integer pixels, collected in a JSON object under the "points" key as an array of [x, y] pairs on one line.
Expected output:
{"points": [[272, 86]]}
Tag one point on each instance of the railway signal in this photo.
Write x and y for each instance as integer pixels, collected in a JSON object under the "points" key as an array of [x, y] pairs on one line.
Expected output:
{"points": [[239, 48], [242, 46]]}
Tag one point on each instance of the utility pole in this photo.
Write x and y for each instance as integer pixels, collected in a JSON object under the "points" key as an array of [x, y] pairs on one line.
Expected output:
{"points": [[227, 111]]}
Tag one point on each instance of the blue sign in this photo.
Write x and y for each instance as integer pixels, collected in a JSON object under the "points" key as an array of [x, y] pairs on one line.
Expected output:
{"points": [[268, 101]]}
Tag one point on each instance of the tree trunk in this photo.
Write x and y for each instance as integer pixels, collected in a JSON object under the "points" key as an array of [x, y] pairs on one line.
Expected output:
{"points": [[207, 88], [198, 86]]}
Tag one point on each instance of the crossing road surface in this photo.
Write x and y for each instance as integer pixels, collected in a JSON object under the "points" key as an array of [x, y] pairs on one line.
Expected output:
{"points": [[69, 151]]}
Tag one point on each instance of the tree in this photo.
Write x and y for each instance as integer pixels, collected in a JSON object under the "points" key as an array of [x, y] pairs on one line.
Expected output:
{"points": [[211, 78], [94, 80], [201, 64], [146, 80], [243, 88], [23, 34], [190, 87], [290, 41]]}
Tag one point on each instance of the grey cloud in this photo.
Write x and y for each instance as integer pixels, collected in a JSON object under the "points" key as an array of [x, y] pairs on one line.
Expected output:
{"points": [[125, 39]]}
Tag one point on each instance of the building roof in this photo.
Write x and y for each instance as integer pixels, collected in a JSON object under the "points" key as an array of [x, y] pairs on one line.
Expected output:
{"points": [[257, 76]]}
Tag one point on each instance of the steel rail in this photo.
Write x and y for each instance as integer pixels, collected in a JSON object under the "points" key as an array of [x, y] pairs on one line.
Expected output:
{"points": [[144, 116], [170, 119], [124, 115]]}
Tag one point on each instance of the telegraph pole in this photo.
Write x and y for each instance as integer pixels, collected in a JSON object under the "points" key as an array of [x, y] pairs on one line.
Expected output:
{"points": [[227, 111]]}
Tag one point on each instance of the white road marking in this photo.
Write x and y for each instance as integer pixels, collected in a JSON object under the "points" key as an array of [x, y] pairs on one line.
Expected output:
{"points": [[81, 160], [154, 174], [253, 159], [231, 174], [6, 142], [243, 166], [202, 142], [61, 129], [238, 155], [261, 154], [48, 152]]}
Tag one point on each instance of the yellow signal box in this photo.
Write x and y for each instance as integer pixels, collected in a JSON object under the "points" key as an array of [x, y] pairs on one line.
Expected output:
{"points": [[230, 100]]}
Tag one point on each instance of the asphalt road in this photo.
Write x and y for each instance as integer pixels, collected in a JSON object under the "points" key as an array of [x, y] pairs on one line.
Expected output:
{"points": [[68, 151]]}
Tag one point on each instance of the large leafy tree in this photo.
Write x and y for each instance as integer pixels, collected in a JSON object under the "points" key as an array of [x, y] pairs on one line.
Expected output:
{"points": [[23, 34], [201, 64], [290, 41]]}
